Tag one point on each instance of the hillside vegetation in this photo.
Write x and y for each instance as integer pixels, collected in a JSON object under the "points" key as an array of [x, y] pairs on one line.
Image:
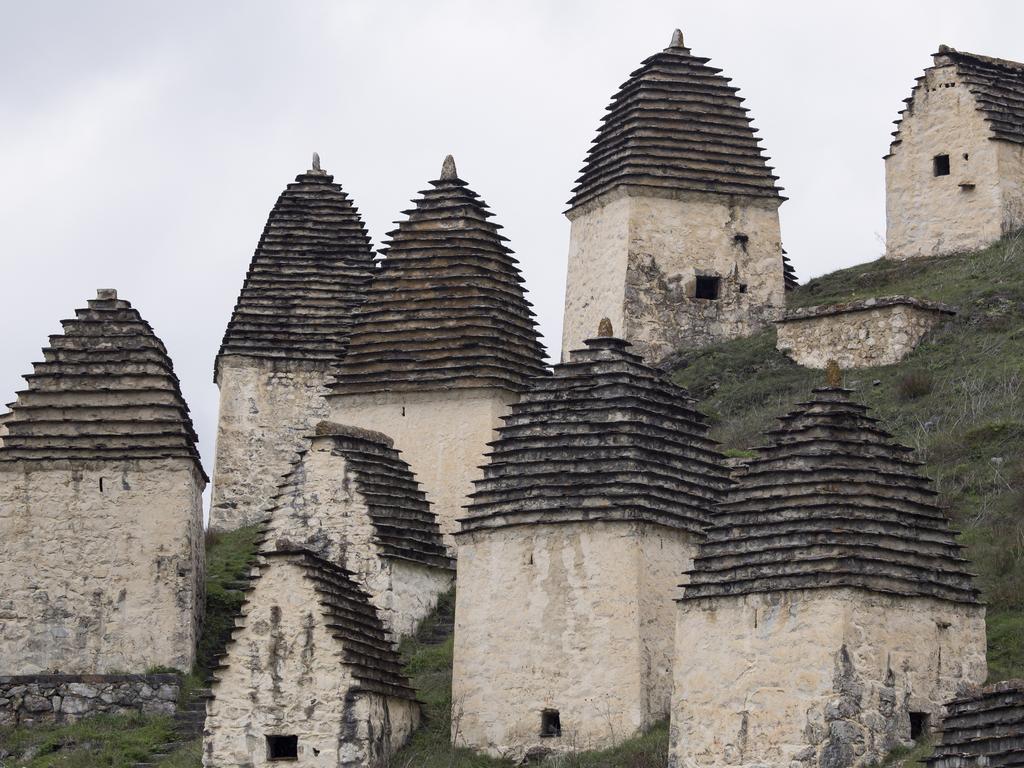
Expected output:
{"points": [[958, 400]]}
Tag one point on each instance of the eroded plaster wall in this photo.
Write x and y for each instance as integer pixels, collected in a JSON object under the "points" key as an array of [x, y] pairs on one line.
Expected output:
{"points": [[267, 410], [858, 339], [442, 435], [284, 676], [327, 515], [929, 215], [576, 617], [636, 260], [815, 678], [101, 565], [595, 285]]}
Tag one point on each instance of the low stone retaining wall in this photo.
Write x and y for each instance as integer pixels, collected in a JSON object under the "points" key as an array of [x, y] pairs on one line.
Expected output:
{"points": [[858, 334], [36, 699]]}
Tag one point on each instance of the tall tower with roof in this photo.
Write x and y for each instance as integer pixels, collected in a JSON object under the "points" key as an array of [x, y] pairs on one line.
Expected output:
{"points": [[289, 327], [444, 344], [675, 226], [954, 175], [594, 496], [101, 517], [830, 613]]}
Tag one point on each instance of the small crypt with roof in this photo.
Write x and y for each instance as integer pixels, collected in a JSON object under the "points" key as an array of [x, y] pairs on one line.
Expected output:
{"points": [[443, 345], [594, 497], [101, 515], [311, 268], [309, 675], [829, 614], [954, 175], [675, 222], [351, 499]]}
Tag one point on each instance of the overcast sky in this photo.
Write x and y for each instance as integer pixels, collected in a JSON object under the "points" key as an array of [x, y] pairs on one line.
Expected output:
{"points": [[142, 144]]}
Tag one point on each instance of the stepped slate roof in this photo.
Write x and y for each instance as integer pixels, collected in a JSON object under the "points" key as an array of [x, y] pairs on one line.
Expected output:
{"points": [[833, 501], [349, 616], [311, 269], [984, 729], [405, 527], [106, 390], [789, 273], [606, 437], [996, 84], [676, 124], [447, 307]]}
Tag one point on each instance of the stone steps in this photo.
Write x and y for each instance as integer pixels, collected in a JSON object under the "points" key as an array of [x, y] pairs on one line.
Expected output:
{"points": [[188, 726]]}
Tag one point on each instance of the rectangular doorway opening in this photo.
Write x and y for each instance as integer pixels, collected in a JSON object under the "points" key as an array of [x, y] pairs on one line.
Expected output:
{"points": [[918, 725], [282, 747], [940, 165], [707, 287], [550, 723]]}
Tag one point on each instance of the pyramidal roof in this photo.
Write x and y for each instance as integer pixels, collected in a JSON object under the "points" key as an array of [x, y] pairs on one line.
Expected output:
{"points": [[676, 125], [447, 307], [106, 390], [832, 501], [310, 271], [404, 525], [350, 618], [606, 437], [983, 728]]}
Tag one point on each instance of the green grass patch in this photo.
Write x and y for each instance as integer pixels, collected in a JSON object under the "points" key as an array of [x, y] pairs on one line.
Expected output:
{"points": [[229, 556], [958, 400], [909, 757], [102, 741]]}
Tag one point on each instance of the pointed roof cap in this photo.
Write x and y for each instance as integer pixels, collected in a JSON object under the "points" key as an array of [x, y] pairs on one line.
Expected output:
{"points": [[832, 501], [606, 437], [447, 308], [310, 271], [105, 391], [677, 125]]}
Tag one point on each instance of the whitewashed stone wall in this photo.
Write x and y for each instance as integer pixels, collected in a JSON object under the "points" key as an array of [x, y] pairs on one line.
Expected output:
{"points": [[442, 435], [636, 260], [267, 410], [815, 678], [284, 676], [928, 215], [329, 517], [100, 581], [859, 334], [577, 617]]}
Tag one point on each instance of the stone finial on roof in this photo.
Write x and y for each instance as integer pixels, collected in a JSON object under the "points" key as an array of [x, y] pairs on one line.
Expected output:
{"points": [[833, 374], [677, 40], [106, 294], [448, 170], [316, 169], [604, 328]]}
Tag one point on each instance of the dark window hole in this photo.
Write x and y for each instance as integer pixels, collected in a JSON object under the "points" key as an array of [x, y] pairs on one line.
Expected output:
{"points": [[707, 287], [282, 747], [918, 725], [940, 165], [550, 723]]}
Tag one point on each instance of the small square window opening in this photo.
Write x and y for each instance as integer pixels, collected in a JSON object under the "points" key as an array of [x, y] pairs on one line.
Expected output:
{"points": [[940, 165], [707, 287], [282, 747], [550, 723]]}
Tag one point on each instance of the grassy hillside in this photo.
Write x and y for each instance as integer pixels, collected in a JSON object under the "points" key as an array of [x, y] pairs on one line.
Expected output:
{"points": [[958, 400]]}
